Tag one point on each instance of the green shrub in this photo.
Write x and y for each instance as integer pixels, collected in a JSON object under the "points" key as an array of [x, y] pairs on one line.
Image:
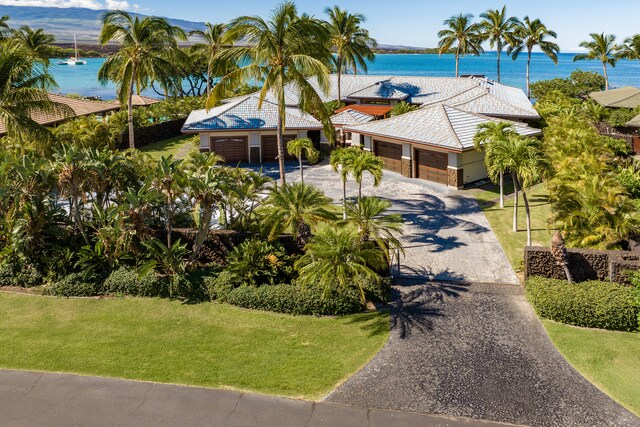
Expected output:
{"points": [[594, 304], [256, 263], [126, 281], [16, 273], [219, 286], [295, 299], [74, 285]]}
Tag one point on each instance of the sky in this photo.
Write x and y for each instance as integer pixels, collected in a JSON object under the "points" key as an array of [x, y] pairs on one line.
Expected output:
{"points": [[400, 22]]}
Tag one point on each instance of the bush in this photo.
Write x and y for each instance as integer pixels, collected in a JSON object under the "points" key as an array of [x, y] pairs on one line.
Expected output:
{"points": [[21, 274], [74, 285], [125, 281], [295, 299], [256, 263], [593, 304]]}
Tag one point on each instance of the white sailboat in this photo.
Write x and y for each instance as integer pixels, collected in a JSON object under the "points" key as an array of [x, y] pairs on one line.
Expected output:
{"points": [[74, 60]]}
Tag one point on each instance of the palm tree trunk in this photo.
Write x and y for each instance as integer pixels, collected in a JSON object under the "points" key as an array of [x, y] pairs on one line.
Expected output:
{"points": [[203, 230], [528, 67], [301, 171], [339, 70], [457, 63], [169, 221], [515, 203], [528, 214], [344, 199], [132, 143], [281, 149], [606, 77], [360, 190], [78, 219], [501, 190], [209, 67], [499, 49]]}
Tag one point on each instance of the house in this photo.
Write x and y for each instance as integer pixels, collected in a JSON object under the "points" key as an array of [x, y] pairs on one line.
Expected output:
{"points": [[433, 143], [80, 107], [623, 97]]}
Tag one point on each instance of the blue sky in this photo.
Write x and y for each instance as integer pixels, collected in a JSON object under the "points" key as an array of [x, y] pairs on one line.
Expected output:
{"points": [[407, 22]]}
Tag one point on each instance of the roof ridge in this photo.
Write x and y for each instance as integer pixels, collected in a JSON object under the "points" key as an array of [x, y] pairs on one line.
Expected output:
{"points": [[446, 115], [443, 100]]}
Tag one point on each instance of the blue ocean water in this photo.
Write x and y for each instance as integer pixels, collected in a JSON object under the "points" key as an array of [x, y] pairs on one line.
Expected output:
{"points": [[82, 79]]}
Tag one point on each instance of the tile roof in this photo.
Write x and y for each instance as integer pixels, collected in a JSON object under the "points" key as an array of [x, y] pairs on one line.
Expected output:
{"points": [[438, 125], [624, 97], [80, 107], [373, 110], [244, 114], [350, 117], [635, 122], [384, 89]]}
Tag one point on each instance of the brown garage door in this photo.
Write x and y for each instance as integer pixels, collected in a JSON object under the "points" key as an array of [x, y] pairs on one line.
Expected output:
{"points": [[391, 155], [233, 149], [270, 148], [432, 165]]}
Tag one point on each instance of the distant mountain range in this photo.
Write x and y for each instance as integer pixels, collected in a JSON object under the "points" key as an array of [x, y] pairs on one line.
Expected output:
{"points": [[85, 23]]}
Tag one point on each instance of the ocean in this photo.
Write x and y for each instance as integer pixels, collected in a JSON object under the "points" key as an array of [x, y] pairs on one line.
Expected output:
{"points": [[82, 80]]}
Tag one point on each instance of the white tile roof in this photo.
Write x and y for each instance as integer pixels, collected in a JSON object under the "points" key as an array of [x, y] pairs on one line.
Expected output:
{"points": [[437, 125], [351, 117], [384, 89], [243, 114]]}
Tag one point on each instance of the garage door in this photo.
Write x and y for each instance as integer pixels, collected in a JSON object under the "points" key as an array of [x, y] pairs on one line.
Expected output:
{"points": [[270, 148], [391, 155], [233, 149], [432, 166]]}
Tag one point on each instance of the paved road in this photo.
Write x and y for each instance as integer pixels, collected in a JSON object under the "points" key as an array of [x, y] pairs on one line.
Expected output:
{"points": [[44, 399]]}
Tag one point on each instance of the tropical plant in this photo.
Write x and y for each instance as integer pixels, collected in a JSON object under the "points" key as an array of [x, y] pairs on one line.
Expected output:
{"points": [[336, 259], [498, 29], [256, 263], [402, 107], [366, 161], [462, 35], [36, 43], [5, 29], [146, 48], [295, 207], [283, 52], [487, 135], [368, 215], [212, 44], [244, 191], [630, 49], [579, 84], [352, 43], [299, 146], [341, 161], [527, 35], [601, 47], [167, 179], [168, 260]]}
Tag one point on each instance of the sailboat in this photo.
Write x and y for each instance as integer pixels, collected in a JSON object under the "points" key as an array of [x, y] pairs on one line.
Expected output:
{"points": [[74, 60]]}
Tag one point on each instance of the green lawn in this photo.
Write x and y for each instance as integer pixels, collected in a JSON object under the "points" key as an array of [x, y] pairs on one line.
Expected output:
{"points": [[609, 359], [212, 345], [501, 220], [180, 147]]}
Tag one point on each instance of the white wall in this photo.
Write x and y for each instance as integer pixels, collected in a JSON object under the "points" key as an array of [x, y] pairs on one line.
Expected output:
{"points": [[473, 165]]}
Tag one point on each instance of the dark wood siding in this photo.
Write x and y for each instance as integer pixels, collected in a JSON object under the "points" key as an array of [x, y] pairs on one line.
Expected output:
{"points": [[391, 155], [232, 148], [431, 165]]}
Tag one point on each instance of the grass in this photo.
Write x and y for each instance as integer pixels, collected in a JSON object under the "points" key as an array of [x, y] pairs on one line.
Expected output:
{"points": [[501, 220], [179, 147], [609, 359], [211, 345]]}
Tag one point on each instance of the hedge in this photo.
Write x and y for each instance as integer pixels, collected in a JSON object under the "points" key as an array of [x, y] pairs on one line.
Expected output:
{"points": [[125, 281], [593, 304], [294, 299]]}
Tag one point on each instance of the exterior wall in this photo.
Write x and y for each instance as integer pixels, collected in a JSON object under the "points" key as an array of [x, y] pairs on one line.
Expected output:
{"points": [[473, 166], [407, 160], [368, 142], [455, 171]]}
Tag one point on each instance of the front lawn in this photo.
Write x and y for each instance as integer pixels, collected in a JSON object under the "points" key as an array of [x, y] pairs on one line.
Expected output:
{"points": [[609, 359], [179, 147], [211, 345], [501, 220]]}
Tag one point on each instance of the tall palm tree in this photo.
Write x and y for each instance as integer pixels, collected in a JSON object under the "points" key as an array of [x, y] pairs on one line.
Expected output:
{"points": [[498, 28], [529, 34], [366, 161], [5, 29], [461, 34], [630, 49], [35, 42], [341, 161], [281, 53], [603, 48], [352, 43], [147, 47], [486, 137], [299, 146], [295, 207], [212, 44], [23, 92]]}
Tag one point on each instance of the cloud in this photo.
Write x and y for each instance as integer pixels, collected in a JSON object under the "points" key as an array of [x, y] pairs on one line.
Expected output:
{"points": [[89, 4]]}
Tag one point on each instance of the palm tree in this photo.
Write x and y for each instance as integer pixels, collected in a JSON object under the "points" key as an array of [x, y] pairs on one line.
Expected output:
{"points": [[366, 161], [461, 34], [341, 161], [602, 47], [369, 218], [498, 29], [488, 134], [147, 48], [402, 107], [352, 43], [36, 43], [296, 206], [281, 53], [212, 37], [529, 34], [631, 48], [23, 93], [167, 179], [5, 29], [335, 257], [296, 147]]}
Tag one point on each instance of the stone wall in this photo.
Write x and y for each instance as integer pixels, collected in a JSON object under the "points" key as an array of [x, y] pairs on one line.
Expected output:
{"points": [[152, 134], [584, 264]]}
